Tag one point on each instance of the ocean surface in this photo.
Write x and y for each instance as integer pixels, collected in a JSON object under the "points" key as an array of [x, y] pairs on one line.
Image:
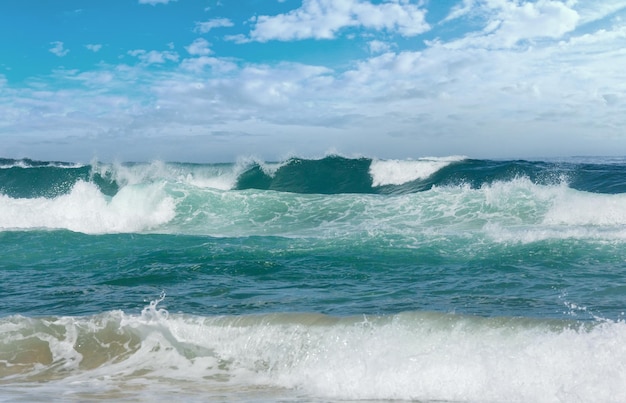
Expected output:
{"points": [[329, 280]]}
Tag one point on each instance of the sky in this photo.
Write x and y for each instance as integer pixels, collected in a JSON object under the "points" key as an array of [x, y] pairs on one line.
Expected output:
{"points": [[217, 80]]}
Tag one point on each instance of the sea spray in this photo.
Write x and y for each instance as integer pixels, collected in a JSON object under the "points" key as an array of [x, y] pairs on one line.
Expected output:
{"points": [[86, 209]]}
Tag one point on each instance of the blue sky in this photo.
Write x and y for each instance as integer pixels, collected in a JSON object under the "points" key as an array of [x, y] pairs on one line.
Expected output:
{"points": [[214, 80]]}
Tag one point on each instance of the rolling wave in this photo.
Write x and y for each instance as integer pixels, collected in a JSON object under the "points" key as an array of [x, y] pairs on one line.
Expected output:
{"points": [[334, 196], [329, 175]]}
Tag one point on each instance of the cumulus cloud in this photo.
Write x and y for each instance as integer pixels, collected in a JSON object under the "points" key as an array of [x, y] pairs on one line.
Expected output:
{"points": [[198, 64], [154, 56], [323, 19], [199, 50], [272, 86], [206, 26], [508, 23], [199, 47], [94, 47], [545, 18], [377, 46], [58, 49]]}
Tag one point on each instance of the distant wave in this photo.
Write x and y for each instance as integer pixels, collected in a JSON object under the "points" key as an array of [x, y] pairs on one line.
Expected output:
{"points": [[518, 201], [6, 163], [336, 174], [329, 175]]}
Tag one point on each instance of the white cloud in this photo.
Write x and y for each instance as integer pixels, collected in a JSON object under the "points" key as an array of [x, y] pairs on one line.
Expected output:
{"points": [[204, 27], [508, 23], [154, 2], [58, 49], [461, 10], [377, 46], [322, 19], [96, 78], [199, 47], [154, 56], [94, 47], [545, 18], [238, 38], [596, 10], [198, 64]]}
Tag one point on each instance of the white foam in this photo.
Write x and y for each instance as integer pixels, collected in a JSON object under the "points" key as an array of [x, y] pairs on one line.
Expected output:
{"points": [[540, 212], [412, 356], [269, 168], [513, 211], [214, 176], [581, 208], [397, 172], [27, 165], [86, 209], [417, 357]]}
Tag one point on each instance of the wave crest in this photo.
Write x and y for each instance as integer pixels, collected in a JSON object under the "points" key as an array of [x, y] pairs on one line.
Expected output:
{"points": [[86, 209], [398, 172]]}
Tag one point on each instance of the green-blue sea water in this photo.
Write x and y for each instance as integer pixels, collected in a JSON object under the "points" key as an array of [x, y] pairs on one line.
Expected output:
{"points": [[435, 279]]}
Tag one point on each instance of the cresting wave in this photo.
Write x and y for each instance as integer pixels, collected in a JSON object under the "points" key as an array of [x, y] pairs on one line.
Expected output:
{"points": [[508, 201], [86, 209], [335, 174], [330, 175], [413, 356]]}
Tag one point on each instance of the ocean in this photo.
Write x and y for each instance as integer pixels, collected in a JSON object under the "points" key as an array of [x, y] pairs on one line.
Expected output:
{"points": [[314, 280]]}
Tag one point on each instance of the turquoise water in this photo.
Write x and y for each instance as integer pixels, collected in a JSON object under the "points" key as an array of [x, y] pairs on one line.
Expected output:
{"points": [[436, 279]]}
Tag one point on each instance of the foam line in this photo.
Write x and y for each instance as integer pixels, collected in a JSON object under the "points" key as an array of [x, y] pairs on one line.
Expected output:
{"points": [[408, 356]]}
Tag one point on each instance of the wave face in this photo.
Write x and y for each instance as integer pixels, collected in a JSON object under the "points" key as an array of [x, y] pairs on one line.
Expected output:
{"points": [[337, 279]]}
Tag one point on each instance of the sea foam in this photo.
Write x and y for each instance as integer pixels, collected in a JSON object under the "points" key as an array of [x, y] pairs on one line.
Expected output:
{"points": [[215, 176], [397, 172], [408, 356], [86, 209], [582, 208]]}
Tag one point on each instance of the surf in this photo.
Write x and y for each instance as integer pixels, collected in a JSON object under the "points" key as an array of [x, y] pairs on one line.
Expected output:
{"points": [[422, 356], [511, 210], [333, 197], [86, 209]]}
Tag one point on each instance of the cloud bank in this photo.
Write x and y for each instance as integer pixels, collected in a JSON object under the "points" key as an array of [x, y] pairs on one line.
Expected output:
{"points": [[529, 79]]}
